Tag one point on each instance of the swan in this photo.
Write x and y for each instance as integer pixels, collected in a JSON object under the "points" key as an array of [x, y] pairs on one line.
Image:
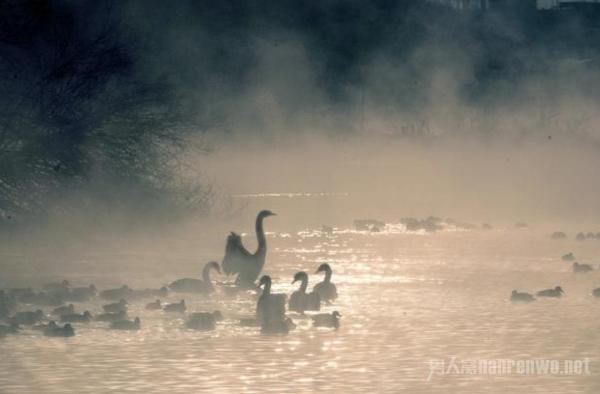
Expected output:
{"points": [[54, 330], [278, 326], [238, 260], [202, 286], [153, 306], [270, 307], [63, 310], [521, 297], [115, 307], [128, 325], [581, 268], [325, 289], [84, 317], [556, 292], [111, 316], [300, 301], [116, 294], [204, 321], [327, 320], [178, 307]]}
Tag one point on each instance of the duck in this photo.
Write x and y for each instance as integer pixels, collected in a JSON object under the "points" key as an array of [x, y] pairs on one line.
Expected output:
{"points": [[580, 236], [153, 306], [81, 294], [111, 316], [204, 321], [120, 306], [238, 260], [54, 330], [84, 317], [325, 289], [127, 325], [123, 292], [177, 307], [521, 297], [568, 257], [581, 268], [269, 306], [12, 328], [148, 293], [200, 286], [300, 301], [63, 310], [331, 320], [556, 292], [26, 318]]}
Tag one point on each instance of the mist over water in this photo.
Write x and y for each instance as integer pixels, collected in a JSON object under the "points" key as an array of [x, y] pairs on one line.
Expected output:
{"points": [[198, 115]]}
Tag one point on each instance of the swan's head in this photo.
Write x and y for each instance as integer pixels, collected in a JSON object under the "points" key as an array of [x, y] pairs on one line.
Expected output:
{"points": [[266, 213], [265, 279], [137, 320], [559, 289], [323, 268], [300, 276], [336, 314], [214, 265], [514, 292]]}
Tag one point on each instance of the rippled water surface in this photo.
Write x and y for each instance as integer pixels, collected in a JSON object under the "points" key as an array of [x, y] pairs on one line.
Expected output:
{"points": [[405, 298]]}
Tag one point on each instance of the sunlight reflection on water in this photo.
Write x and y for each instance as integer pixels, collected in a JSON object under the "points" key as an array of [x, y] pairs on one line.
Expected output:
{"points": [[405, 299]]}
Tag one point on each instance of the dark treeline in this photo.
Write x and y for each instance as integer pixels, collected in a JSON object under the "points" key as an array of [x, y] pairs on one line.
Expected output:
{"points": [[100, 98]]}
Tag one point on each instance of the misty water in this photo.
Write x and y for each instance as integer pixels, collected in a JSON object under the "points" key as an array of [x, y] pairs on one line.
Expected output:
{"points": [[406, 299]]}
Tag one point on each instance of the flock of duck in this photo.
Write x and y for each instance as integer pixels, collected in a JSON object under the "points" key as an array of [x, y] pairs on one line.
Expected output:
{"points": [[557, 291], [270, 313]]}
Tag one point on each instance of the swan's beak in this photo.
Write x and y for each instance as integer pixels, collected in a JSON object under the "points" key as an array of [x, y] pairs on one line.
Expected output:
{"points": [[273, 214]]}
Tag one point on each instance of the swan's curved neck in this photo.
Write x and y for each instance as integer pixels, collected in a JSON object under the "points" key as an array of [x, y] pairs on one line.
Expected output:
{"points": [[304, 284], [267, 290], [328, 275], [260, 236]]}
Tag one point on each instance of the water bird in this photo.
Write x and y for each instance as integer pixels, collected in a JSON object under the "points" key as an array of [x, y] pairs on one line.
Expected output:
{"points": [[325, 289], [581, 268], [521, 297], [596, 292], [556, 292], [331, 320], [63, 310], [177, 307], [84, 317], [123, 292], [568, 257], [127, 325], [238, 260], [81, 294], [26, 318], [54, 330], [558, 235], [120, 306], [300, 301], [278, 326], [270, 307], [201, 286], [204, 321], [153, 306], [111, 316], [580, 237], [12, 328]]}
